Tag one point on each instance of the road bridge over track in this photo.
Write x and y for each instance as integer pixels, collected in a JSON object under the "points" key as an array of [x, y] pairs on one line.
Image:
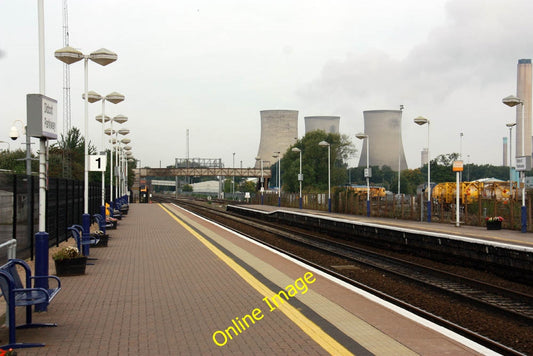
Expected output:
{"points": [[203, 172]]}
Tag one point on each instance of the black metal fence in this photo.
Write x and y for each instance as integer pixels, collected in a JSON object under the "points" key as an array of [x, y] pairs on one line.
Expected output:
{"points": [[19, 209]]}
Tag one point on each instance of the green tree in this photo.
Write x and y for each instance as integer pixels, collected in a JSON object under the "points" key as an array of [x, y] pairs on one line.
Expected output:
{"points": [[247, 186], [15, 161], [71, 148], [315, 162]]}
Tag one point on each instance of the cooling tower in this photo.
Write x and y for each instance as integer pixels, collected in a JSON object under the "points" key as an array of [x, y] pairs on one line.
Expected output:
{"points": [[523, 91], [279, 130], [384, 130], [328, 124]]}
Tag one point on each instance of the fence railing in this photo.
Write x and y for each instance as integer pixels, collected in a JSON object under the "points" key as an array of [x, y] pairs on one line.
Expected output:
{"points": [[409, 208], [19, 208]]}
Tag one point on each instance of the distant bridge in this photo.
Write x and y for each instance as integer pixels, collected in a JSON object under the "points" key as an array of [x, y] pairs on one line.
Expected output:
{"points": [[203, 172]]}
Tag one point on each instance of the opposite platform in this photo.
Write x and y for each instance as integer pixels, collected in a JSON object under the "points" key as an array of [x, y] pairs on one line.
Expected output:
{"points": [[172, 283]]}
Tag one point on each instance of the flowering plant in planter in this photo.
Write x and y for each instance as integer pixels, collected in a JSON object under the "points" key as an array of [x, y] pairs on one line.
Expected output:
{"points": [[67, 253], [69, 262], [494, 219]]}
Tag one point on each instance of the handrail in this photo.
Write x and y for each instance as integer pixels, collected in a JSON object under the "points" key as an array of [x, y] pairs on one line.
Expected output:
{"points": [[11, 248]]}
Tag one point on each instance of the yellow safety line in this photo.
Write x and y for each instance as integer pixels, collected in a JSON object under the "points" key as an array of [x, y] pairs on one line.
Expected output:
{"points": [[316, 333]]}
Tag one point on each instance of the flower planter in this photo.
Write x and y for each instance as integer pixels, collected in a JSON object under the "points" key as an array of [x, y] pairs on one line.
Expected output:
{"points": [[103, 241], [71, 267], [494, 225]]}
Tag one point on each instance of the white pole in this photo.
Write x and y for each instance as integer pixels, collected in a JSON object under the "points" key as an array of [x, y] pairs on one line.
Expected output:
{"points": [[523, 154], [301, 178], [42, 141], [429, 182], [103, 151], [42, 87], [86, 139], [457, 223], [510, 164], [111, 164], [329, 178]]}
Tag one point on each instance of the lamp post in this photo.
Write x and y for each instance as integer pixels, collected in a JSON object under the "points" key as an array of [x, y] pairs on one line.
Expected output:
{"points": [[510, 126], [512, 101], [368, 173], [323, 144], [262, 189], [422, 121], [233, 181], [113, 98], [400, 151], [118, 119], [69, 55], [300, 176], [124, 171], [118, 151], [278, 156]]}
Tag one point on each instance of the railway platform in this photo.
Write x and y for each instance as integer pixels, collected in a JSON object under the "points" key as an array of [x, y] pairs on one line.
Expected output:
{"points": [[506, 236], [171, 283]]}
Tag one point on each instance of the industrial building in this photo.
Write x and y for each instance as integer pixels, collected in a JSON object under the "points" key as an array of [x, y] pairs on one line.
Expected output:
{"points": [[279, 130], [328, 124], [384, 130]]}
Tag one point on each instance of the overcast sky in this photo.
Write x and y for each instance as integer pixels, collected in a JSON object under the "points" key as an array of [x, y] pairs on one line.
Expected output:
{"points": [[210, 66]]}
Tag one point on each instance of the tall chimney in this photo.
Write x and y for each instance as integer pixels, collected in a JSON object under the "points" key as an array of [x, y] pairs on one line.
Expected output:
{"points": [[505, 152], [523, 91]]}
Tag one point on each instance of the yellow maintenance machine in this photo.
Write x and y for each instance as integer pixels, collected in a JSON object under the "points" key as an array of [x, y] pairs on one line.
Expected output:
{"points": [[375, 192], [470, 191]]}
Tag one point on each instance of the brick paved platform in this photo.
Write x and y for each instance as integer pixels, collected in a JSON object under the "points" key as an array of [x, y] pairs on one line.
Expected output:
{"points": [[169, 281]]}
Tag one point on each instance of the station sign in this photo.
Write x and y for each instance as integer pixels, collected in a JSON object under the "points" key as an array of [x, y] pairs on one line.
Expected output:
{"points": [[523, 163], [97, 163], [457, 166], [41, 114]]}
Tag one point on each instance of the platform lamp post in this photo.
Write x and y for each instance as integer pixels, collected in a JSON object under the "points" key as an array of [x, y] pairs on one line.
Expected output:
{"points": [[127, 158], [69, 55], [512, 101], [368, 173], [119, 148], [324, 144], [120, 119], [93, 97], [113, 98], [510, 126], [422, 121], [262, 180], [118, 163], [125, 153], [300, 175], [278, 156]]}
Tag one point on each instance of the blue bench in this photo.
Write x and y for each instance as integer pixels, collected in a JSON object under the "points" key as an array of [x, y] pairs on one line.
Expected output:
{"points": [[102, 223], [18, 295], [77, 234]]}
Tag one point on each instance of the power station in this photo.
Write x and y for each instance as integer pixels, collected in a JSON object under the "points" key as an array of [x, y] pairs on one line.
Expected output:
{"points": [[279, 130], [328, 124], [384, 130]]}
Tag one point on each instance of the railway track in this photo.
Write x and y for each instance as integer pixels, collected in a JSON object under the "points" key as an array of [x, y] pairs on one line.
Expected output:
{"points": [[512, 304]]}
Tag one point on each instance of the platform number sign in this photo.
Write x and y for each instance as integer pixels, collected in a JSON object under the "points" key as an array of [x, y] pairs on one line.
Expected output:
{"points": [[97, 163]]}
